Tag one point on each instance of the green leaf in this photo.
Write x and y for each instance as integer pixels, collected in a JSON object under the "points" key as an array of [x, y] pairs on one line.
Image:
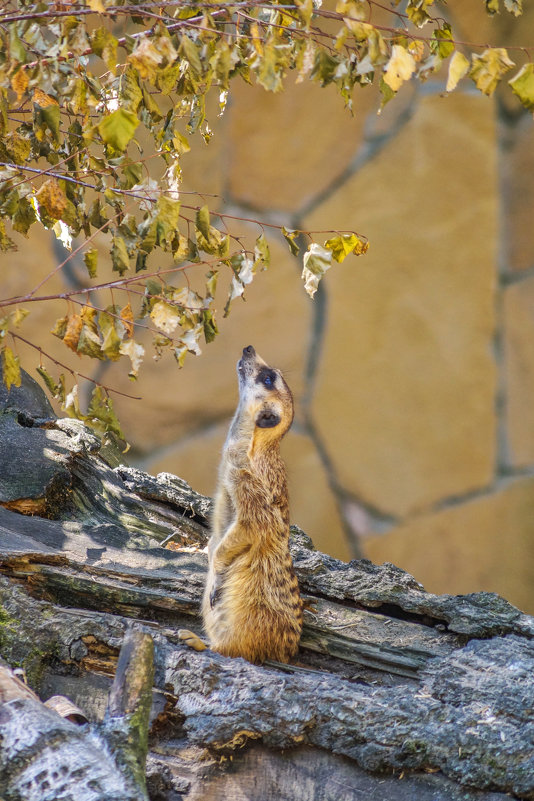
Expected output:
{"points": [[104, 45], [324, 68], [50, 117], [387, 93], [119, 255], [317, 260], [51, 385], [168, 216], [151, 106], [130, 93], [203, 221], [11, 368], [417, 11], [118, 128], [210, 326], [489, 67], [523, 85], [492, 6], [181, 144], [439, 44], [100, 414], [89, 343], [6, 243], [111, 339], [270, 74], [132, 174], [24, 217], [90, 258], [16, 49], [261, 252], [211, 283], [190, 53], [290, 236]]}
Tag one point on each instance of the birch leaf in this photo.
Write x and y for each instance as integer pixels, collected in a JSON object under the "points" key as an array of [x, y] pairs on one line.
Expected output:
{"points": [[135, 353], [11, 368], [317, 260], [458, 67], [399, 68]]}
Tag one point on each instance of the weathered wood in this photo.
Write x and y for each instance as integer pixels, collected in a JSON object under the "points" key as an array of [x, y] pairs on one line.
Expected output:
{"points": [[44, 756], [392, 681]]}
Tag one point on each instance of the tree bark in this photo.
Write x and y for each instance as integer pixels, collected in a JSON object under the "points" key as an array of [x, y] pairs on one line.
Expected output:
{"points": [[397, 693]]}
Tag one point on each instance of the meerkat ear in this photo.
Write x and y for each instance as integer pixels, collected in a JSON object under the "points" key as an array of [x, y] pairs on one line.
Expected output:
{"points": [[267, 419]]}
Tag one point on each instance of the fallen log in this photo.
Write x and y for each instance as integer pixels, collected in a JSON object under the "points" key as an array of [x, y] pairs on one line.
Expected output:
{"points": [[397, 692]]}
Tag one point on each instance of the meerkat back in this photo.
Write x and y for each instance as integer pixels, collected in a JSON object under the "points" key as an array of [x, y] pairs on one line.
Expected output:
{"points": [[252, 606]]}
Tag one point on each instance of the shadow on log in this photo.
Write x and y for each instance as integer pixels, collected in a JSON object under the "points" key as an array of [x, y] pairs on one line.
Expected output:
{"points": [[398, 693]]}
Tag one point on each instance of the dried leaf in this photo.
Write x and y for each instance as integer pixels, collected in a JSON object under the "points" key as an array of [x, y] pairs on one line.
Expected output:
{"points": [[135, 352], [458, 67], [128, 319], [399, 68], [489, 67], [52, 197], [42, 99], [119, 255], [317, 260], [165, 316], [19, 83], [72, 332]]}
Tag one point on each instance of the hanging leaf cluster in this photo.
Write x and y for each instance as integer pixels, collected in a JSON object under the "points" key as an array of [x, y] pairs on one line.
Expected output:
{"points": [[84, 86]]}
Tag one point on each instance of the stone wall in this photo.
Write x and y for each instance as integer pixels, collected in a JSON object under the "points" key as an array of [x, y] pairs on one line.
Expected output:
{"points": [[413, 369]]}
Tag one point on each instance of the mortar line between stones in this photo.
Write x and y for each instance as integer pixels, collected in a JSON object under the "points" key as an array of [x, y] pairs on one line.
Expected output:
{"points": [[143, 460], [370, 148]]}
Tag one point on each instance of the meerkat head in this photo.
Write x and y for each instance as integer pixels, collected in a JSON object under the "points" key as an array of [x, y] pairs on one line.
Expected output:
{"points": [[264, 397]]}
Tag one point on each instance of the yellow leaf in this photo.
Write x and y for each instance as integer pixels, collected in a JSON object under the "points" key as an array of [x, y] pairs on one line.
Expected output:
{"points": [[52, 197], [458, 67], [42, 99], [399, 68], [19, 316], [72, 334], [128, 319], [489, 67], [11, 368], [19, 83]]}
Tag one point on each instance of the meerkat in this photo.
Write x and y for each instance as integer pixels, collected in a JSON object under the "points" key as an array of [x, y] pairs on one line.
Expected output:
{"points": [[252, 605]]}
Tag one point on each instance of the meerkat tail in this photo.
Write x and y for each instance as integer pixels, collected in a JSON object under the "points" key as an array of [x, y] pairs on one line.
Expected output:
{"points": [[192, 640]]}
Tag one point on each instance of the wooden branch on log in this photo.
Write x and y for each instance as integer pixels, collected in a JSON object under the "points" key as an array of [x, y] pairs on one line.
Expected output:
{"points": [[391, 681], [44, 756]]}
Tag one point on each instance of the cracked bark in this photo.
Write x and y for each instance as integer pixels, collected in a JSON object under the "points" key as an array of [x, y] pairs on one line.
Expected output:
{"points": [[391, 681]]}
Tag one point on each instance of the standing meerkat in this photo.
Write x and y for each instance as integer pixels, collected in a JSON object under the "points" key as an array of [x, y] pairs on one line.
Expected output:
{"points": [[252, 605]]}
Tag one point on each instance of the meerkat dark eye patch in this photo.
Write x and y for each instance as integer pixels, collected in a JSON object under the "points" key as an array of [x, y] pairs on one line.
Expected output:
{"points": [[267, 419], [267, 378]]}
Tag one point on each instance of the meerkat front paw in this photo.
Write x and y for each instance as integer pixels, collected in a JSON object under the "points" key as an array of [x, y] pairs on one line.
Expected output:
{"points": [[192, 640]]}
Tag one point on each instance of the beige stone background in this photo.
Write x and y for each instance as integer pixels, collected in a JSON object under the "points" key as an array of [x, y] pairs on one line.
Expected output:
{"points": [[413, 369]]}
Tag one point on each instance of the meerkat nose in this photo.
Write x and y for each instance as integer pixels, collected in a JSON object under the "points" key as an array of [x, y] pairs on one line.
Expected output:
{"points": [[249, 351]]}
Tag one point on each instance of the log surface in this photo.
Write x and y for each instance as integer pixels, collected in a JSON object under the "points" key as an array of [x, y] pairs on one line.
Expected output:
{"points": [[397, 693]]}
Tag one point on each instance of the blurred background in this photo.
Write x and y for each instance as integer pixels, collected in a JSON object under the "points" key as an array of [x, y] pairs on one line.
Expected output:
{"points": [[413, 368]]}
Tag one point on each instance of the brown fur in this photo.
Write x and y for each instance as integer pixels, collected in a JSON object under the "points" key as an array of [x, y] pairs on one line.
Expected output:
{"points": [[252, 606]]}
